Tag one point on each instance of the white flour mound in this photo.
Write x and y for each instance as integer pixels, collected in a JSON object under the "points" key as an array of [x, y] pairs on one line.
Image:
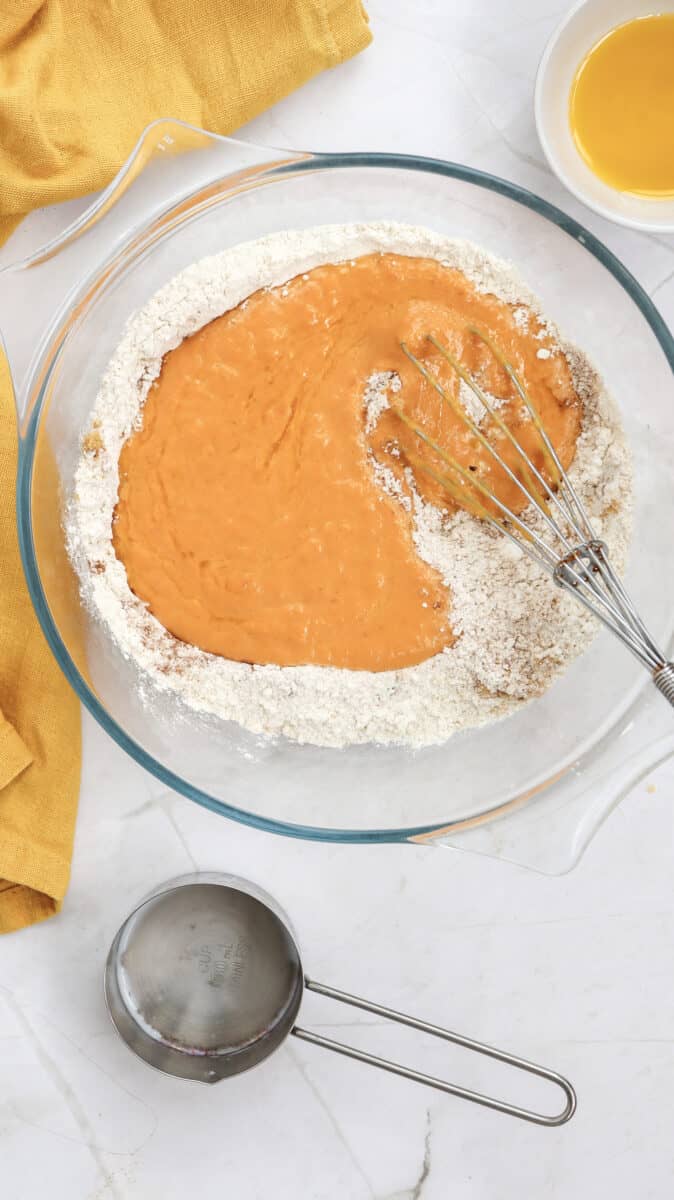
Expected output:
{"points": [[517, 630]]}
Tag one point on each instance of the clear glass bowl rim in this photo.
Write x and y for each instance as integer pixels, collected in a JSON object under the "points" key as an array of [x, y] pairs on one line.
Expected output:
{"points": [[300, 163]]}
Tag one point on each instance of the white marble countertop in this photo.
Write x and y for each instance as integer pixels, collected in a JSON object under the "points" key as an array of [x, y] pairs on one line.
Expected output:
{"points": [[576, 972]]}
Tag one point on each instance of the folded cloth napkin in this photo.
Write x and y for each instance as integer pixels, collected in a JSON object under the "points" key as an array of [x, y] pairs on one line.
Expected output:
{"points": [[39, 729], [79, 81]]}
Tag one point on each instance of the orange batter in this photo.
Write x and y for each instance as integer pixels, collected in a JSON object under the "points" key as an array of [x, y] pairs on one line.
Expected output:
{"points": [[249, 518]]}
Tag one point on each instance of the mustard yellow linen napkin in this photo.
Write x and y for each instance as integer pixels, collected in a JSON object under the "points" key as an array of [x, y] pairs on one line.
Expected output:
{"points": [[79, 81], [39, 729]]}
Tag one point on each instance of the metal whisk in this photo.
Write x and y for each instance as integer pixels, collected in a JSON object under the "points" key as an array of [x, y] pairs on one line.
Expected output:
{"points": [[564, 543]]}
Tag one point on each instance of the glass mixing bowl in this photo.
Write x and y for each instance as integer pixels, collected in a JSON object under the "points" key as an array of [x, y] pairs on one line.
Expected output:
{"points": [[533, 787]]}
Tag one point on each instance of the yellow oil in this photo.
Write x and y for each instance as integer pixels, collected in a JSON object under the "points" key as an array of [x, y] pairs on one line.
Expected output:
{"points": [[621, 107]]}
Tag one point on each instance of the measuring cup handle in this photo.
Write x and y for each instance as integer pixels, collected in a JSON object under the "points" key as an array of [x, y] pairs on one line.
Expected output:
{"points": [[520, 1064]]}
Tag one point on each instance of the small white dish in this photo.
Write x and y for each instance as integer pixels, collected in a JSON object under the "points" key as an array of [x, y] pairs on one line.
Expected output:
{"points": [[580, 30]]}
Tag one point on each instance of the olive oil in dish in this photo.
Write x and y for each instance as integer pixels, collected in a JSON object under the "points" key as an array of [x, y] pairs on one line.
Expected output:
{"points": [[621, 107]]}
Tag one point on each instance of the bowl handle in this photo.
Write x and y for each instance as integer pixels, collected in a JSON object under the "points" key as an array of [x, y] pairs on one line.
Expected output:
{"points": [[175, 160], [549, 832], [162, 139], [443, 1085]]}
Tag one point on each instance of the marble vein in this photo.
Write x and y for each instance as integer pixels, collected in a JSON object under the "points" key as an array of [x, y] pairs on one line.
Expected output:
{"points": [[299, 1066], [426, 1161], [662, 284], [70, 1099]]}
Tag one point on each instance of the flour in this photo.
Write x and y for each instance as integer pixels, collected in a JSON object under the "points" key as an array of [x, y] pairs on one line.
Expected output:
{"points": [[376, 397], [517, 630], [472, 403]]}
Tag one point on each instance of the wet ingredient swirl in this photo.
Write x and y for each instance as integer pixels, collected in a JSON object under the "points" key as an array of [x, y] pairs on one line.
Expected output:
{"points": [[249, 518]]}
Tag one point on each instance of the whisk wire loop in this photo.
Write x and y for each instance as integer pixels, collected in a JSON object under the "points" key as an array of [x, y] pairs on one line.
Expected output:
{"points": [[577, 559], [566, 493], [529, 493]]}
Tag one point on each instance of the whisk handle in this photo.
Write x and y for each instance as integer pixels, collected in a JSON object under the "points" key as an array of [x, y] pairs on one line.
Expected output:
{"points": [[663, 679]]}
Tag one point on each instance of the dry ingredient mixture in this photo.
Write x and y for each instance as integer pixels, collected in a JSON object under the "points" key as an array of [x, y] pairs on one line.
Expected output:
{"points": [[503, 632]]}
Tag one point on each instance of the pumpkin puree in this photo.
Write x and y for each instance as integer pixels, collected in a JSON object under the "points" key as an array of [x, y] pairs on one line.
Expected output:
{"points": [[249, 518]]}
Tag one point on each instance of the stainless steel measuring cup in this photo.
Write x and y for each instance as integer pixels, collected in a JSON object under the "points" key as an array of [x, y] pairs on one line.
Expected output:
{"points": [[204, 980]]}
